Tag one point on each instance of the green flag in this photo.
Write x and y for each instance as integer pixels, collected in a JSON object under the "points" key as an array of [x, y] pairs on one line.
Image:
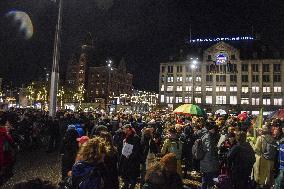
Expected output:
{"points": [[258, 123]]}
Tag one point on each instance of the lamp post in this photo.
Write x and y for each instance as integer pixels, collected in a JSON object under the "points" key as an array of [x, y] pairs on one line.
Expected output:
{"points": [[55, 65], [109, 65], [193, 66]]}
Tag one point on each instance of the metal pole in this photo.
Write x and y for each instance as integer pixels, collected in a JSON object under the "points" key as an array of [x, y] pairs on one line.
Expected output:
{"points": [[192, 97], [55, 64]]}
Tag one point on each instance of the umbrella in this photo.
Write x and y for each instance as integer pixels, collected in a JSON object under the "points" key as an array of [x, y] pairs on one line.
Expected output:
{"points": [[221, 112], [191, 109], [277, 114]]}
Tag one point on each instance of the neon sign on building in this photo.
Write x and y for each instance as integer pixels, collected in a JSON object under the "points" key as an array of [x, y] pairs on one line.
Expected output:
{"points": [[221, 39]]}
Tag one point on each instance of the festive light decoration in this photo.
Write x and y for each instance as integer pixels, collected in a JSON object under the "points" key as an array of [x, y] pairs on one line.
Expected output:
{"points": [[199, 40]]}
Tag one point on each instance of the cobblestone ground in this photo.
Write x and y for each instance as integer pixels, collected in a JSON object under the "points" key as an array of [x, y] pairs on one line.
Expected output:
{"points": [[35, 164]]}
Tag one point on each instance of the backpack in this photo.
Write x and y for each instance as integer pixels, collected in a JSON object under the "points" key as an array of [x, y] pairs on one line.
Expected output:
{"points": [[269, 149], [197, 150], [176, 148]]}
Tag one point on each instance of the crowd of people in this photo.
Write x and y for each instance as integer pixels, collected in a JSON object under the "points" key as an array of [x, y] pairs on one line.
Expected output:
{"points": [[153, 150]]}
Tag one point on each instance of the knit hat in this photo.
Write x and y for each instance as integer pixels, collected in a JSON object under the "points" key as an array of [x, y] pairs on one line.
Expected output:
{"points": [[83, 139], [210, 125]]}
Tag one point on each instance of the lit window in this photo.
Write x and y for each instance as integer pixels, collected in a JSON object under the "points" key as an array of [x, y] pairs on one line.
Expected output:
{"points": [[277, 89], [178, 99], [169, 99], [278, 101], [198, 79], [163, 78], [198, 88], [187, 99], [179, 88], [188, 88], [208, 88], [208, 100], [266, 101], [244, 100], [233, 100], [162, 98], [170, 79], [233, 89], [220, 99], [179, 78], [162, 87], [188, 78], [170, 88], [245, 89], [197, 100], [255, 101], [266, 89], [255, 89], [220, 88]]}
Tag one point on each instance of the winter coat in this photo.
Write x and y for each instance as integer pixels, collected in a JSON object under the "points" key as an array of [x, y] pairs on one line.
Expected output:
{"points": [[130, 167], [281, 154], [148, 148], [262, 168], [210, 162], [6, 148], [110, 175]]}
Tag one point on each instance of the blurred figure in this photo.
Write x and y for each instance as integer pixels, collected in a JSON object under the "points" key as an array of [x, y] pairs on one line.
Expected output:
{"points": [[279, 181], [35, 184]]}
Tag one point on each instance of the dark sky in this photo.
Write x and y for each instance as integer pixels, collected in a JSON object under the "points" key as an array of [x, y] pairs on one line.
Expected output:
{"points": [[145, 32]]}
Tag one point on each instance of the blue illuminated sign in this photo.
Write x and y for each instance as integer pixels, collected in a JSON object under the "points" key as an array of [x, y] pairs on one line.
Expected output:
{"points": [[221, 39], [221, 58]]}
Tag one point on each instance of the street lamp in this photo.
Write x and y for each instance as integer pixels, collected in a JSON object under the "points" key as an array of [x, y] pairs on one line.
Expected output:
{"points": [[193, 65], [109, 65]]}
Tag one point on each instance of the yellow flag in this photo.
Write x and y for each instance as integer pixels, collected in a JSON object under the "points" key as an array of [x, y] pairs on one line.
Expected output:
{"points": [[258, 123]]}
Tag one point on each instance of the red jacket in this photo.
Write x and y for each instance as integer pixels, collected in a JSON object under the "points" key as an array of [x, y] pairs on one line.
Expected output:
{"points": [[6, 154]]}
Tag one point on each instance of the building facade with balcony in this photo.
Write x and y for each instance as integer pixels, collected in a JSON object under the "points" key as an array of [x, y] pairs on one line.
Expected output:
{"points": [[224, 79]]}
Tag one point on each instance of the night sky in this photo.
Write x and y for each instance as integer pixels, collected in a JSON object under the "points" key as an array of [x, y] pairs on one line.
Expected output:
{"points": [[145, 32]]}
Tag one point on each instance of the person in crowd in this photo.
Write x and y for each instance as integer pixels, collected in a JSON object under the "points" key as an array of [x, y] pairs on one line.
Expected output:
{"points": [[241, 158], [163, 175], [265, 151], [110, 163], [88, 172], [209, 165], [36, 183], [7, 158], [53, 131], [130, 159], [69, 150], [279, 181], [172, 144]]}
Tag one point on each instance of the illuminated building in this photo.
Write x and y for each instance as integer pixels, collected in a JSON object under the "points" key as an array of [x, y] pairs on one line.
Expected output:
{"points": [[228, 77]]}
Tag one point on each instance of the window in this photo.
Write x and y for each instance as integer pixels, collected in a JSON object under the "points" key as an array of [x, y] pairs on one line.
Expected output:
{"points": [[162, 98], [188, 88], [265, 67], [255, 78], [179, 78], [208, 100], [209, 57], [277, 89], [244, 78], [244, 67], [208, 88], [170, 79], [179, 69], [220, 88], [198, 88], [163, 69], [266, 101], [187, 99], [233, 89], [170, 69], [178, 99], [233, 57], [198, 78], [266, 89], [179, 88], [207, 69], [233, 78], [220, 99], [245, 89], [170, 88], [163, 78], [265, 78], [276, 68], [221, 78], [255, 89], [244, 100], [209, 78], [276, 78], [162, 87], [197, 100], [278, 101], [233, 100], [255, 67], [188, 78], [255, 101]]}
